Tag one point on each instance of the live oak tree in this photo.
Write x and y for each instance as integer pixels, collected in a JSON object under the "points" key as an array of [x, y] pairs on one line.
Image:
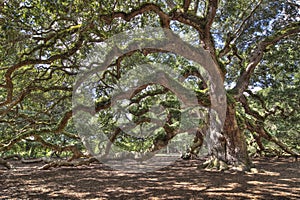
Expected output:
{"points": [[254, 44]]}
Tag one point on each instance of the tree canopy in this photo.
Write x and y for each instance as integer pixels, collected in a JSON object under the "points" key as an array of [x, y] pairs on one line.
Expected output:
{"points": [[254, 44]]}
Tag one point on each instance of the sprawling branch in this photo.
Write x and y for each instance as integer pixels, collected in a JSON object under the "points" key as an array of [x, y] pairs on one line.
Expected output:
{"points": [[165, 20], [249, 111], [204, 27], [33, 132], [258, 128], [258, 53], [232, 37], [76, 152], [8, 74], [27, 91]]}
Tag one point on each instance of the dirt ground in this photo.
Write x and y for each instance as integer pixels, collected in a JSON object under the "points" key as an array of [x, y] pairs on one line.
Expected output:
{"points": [[275, 179]]}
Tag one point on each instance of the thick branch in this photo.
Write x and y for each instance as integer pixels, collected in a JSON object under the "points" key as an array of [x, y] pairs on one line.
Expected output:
{"points": [[165, 21], [259, 128], [249, 111], [210, 16], [76, 152], [258, 53]]}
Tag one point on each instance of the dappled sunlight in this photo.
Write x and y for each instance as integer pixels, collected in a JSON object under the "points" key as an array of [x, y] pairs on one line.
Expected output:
{"points": [[276, 189], [229, 187], [294, 180], [235, 195], [264, 172], [178, 181]]}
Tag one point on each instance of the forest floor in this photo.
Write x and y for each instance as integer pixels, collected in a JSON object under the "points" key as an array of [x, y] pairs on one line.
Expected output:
{"points": [[274, 179]]}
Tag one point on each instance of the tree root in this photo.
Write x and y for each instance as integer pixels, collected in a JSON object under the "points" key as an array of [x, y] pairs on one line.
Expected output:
{"points": [[214, 163], [241, 167]]}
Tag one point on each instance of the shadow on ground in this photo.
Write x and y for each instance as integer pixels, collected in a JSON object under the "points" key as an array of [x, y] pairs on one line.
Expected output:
{"points": [[275, 179]]}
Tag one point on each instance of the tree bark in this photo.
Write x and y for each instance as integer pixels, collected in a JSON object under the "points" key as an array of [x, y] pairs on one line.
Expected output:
{"points": [[235, 145], [229, 146]]}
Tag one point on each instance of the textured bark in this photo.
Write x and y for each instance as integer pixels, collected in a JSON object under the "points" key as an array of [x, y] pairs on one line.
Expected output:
{"points": [[228, 147], [235, 146]]}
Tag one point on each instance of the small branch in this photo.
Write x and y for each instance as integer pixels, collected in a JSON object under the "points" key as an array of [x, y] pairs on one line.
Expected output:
{"points": [[279, 143], [186, 5], [210, 15], [196, 7], [241, 29], [76, 152], [192, 20], [64, 121], [171, 3], [268, 112], [231, 38]]}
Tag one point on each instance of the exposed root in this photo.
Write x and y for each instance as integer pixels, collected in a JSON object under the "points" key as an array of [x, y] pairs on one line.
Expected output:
{"points": [[241, 167], [214, 163]]}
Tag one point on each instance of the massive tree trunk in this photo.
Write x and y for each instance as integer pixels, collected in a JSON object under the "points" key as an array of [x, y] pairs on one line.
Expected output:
{"points": [[229, 146], [235, 146]]}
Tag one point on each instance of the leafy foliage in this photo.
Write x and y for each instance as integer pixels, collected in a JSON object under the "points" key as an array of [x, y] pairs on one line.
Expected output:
{"points": [[42, 45]]}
